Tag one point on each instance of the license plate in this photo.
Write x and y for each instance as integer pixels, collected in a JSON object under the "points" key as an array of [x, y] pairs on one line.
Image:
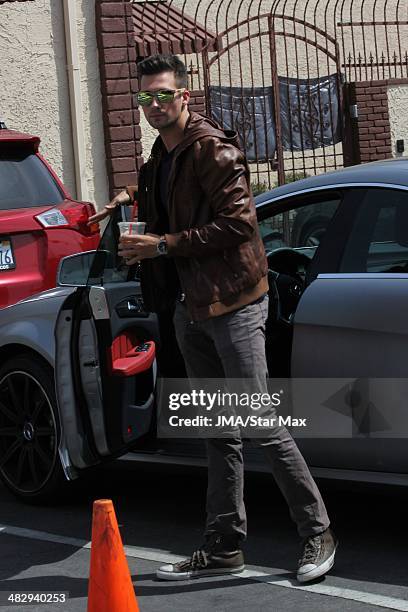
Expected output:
{"points": [[6, 255]]}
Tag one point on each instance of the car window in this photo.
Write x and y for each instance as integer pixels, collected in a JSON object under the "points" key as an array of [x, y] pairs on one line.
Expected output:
{"points": [[114, 269], [299, 226], [25, 182], [378, 241]]}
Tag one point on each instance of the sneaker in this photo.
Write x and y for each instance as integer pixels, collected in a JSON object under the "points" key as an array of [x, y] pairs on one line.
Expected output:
{"points": [[217, 556], [317, 556]]}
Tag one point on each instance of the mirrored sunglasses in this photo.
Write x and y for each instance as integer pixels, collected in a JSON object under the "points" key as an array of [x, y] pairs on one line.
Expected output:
{"points": [[145, 98]]}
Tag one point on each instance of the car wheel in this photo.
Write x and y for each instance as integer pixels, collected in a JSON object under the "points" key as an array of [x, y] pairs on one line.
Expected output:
{"points": [[29, 430]]}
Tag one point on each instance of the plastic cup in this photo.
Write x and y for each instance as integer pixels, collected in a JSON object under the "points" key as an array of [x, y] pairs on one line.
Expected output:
{"points": [[133, 228]]}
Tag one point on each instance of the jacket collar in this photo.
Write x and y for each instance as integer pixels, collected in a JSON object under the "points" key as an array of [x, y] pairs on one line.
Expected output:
{"points": [[197, 126]]}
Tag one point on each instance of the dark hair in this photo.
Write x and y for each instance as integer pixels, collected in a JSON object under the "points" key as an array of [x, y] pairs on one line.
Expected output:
{"points": [[164, 63]]}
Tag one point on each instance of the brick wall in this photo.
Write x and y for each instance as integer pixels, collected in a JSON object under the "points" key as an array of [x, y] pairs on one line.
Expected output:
{"points": [[373, 131], [119, 84], [117, 62], [197, 101]]}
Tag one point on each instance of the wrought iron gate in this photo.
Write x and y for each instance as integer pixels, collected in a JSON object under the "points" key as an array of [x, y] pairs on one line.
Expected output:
{"points": [[283, 95], [276, 70]]}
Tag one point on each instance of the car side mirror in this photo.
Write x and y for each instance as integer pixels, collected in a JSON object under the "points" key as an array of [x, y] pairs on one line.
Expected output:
{"points": [[81, 269]]}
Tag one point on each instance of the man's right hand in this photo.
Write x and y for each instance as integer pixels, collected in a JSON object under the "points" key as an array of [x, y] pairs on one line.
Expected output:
{"points": [[121, 198]]}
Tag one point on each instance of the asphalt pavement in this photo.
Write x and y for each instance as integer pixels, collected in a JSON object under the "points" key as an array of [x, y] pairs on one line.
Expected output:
{"points": [[160, 512]]}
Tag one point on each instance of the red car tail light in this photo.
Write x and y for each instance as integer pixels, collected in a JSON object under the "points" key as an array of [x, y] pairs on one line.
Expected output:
{"points": [[74, 215]]}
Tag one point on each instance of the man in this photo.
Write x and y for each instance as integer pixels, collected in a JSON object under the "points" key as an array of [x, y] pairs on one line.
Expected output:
{"points": [[203, 251]]}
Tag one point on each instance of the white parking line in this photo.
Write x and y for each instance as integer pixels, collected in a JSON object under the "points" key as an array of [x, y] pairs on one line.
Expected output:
{"points": [[161, 556], [382, 601], [148, 554]]}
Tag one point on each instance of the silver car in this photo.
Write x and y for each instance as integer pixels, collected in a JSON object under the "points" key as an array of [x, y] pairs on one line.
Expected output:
{"points": [[79, 363]]}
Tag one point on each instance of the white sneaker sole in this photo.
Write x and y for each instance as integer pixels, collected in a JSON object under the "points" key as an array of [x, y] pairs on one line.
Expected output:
{"points": [[163, 575], [318, 571]]}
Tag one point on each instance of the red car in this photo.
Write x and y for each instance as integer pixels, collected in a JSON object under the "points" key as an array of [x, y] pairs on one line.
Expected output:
{"points": [[39, 221]]}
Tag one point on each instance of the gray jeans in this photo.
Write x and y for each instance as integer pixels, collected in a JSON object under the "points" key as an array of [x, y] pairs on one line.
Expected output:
{"points": [[233, 346]]}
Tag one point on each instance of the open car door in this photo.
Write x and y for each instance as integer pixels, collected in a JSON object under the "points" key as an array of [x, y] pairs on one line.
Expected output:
{"points": [[105, 359]]}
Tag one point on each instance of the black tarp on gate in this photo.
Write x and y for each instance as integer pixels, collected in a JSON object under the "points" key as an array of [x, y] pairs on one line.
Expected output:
{"points": [[309, 111]]}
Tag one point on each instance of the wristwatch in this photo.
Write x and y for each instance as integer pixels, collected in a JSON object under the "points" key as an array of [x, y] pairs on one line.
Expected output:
{"points": [[162, 246]]}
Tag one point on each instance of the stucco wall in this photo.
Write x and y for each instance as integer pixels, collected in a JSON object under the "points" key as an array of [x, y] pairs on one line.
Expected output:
{"points": [[92, 106], [149, 135], [34, 93], [398, 105]]}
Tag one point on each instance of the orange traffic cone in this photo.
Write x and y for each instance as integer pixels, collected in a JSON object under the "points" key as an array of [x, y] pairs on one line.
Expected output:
{"points": [[110, 585]]}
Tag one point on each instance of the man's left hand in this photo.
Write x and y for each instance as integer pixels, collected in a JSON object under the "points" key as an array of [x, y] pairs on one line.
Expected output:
{"points": [[135, 248]]}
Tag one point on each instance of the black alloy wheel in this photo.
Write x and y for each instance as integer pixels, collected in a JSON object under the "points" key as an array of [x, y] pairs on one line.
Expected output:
{"points": [[29, 430]]}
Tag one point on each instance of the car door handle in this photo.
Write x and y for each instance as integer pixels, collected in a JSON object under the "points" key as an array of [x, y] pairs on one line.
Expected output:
{"points": [[131, 307]]}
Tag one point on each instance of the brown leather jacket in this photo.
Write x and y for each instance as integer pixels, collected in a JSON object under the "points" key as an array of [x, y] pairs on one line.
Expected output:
{"points": [[213, 237]]}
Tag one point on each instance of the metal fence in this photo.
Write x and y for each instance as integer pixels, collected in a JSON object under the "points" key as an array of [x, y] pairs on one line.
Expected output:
{"points": [[275, 70]]}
